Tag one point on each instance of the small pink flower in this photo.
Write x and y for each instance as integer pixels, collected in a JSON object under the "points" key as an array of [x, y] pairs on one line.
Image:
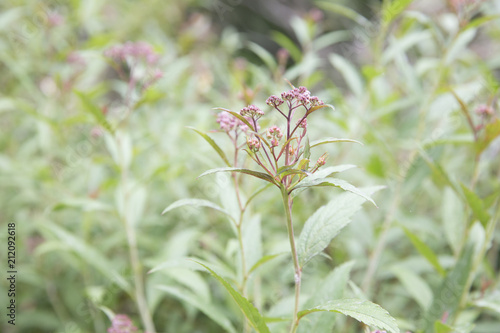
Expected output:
{"points": [[122, 324], [274, 131], [253, 144], [303, 124], [322, 160], [484, 110]]}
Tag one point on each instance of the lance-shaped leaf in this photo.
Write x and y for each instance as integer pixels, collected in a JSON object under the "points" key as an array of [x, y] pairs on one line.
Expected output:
{"points": [[477, 205], [335, 182], [94, 110], [317, 107], [447, 296], [239, 116], [364, 311], [263, 260], [254, 317], [332, 140], [321, 227], [213, 144], [208, 309], [425, 251], [195, 203], [261, 175]]}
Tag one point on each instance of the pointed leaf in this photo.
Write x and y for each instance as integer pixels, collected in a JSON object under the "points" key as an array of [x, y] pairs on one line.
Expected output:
{"points": [[263, 260], [213, 144], [195, 203], [364, 311], [414, 285], [332, 140], [326, 223], [207, 308], [95, 111], [448, 294], [307, 149], [477, 205], [317, 107], [335, 183], [261, 175], [252, 314], [425, 251]]}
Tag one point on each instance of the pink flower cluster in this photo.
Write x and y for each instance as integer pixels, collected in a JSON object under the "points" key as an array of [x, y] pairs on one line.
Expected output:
{"points": [[484, 110], [122, 324], [137, 50], [252, 111], [229, 123], [300, 95], [274, 134]]}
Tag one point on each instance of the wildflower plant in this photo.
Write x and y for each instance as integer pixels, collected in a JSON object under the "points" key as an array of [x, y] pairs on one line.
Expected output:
{"points": [[282, 155]]}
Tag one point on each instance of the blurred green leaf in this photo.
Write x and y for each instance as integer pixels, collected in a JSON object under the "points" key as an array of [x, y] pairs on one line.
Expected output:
{"points": [[252, 314], [414, 285], [209, 309], [288, 44], [447, 296], [425, 251], [94, 110], [213, 144], [364, 311], [477, 205], [331, 140], [195, 203], [89, 254], [349, 72]]}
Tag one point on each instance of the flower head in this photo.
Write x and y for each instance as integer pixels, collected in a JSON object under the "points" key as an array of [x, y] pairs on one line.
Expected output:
{"points": [[274, 101], [252, 111], [134, 50], [122, 324], [226, 121], [484, 110], [253, 144]]}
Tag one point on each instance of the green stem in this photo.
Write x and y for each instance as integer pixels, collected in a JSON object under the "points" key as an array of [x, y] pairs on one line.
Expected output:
{"points": [[287, 203]]}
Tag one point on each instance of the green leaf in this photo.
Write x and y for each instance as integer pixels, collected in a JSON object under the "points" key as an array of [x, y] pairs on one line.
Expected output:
{"points": [[491, 132], [213, 144], [480, 21], [350, 74], [340, 183], [447, 296], [331, 287], [392, 9], [425, 251], [195, 203], [307, 149], [490, 301], [95, 111], [331, 140], [208, 309], [440, 327], [321, 227], [264, 55], [263, 260], [287, 44], [254, 317], [317, 107], [345, 11], [364, 311], [477, 205], [89, 254], [261, 175], [453, 219], [414, 285]]}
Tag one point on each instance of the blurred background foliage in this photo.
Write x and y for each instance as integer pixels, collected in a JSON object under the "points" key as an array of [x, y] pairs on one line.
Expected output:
{"points": [[411, 80]]}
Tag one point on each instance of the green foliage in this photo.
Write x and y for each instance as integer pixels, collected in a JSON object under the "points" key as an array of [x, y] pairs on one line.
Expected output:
{"points": [[93, 148]]}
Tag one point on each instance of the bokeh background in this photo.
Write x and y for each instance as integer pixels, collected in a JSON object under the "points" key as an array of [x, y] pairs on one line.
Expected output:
{"points": [[415, 81]]}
